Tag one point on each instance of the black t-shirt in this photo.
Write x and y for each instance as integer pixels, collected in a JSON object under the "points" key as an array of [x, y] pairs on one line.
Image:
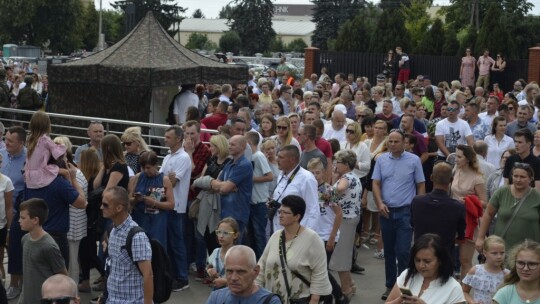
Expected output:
{"points": [[531, 160], [117, 167]]}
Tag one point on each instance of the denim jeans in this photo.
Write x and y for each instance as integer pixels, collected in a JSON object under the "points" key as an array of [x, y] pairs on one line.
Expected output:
{"points": [[397, 237], [156, 226], [200, 248], [257, 227], [176, 246]]}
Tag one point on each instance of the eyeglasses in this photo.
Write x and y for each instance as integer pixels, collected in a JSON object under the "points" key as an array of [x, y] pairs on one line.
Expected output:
{"points": [[284, 212], [510, 108], [349, 131], [360, 116], [224, 233], [281, 127], [522, 165], [60, 300], [452, 109], [399, 89], [530, 265], [127, 143]]}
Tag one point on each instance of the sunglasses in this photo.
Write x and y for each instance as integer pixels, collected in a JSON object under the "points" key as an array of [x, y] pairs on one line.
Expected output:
{"points": [[510, 108], [60, 300], [452, 109], [281, 128], [349, 131], [360, 116], [127, 143], [224, 233]]}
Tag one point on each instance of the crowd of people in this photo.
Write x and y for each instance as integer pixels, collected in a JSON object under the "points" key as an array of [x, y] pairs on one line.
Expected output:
{"points": [[302, 172]]}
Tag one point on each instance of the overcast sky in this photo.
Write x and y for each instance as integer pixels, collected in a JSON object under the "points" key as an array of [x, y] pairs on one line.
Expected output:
{"points": [[211, 8]]}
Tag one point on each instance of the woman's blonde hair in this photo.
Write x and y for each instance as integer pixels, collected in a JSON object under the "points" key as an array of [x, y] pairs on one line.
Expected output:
{"points": [[289, 137], [40, 125], [89, 163], [133, 134], [315, 163], [221, 144], [357, 133]]}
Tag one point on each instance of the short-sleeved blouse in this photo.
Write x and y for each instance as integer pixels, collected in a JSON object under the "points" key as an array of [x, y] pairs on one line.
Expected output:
{"points": [[464, 183], [213, 168], [350, 200], [122, 169], [436, 293]]}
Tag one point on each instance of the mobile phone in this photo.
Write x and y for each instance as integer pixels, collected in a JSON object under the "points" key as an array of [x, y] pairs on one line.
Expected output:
{"points": [[406, 292]]}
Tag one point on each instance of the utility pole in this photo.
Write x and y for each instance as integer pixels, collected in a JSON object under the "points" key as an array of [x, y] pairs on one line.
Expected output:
{"points": [[100, 35]]}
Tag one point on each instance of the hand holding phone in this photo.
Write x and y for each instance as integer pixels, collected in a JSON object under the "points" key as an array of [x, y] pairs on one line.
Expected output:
{"points": [[406, 292]]}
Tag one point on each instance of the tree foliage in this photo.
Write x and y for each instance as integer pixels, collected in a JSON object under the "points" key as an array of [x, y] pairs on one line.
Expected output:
{"points": [[198, 14], [113, 26], [416, 19], [356, 34], [226, 12], [390, 32], [196, 41], [252, 20], [329, 15], [494, 34], [230, 42], [451, 43], [433, 41], [90, 25], [167, 12], [297, 45]]}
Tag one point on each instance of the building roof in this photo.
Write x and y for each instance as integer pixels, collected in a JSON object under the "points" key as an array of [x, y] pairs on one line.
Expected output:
{"points": [[281, 27]]}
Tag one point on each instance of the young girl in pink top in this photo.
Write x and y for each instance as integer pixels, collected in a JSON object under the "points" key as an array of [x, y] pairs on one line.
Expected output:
{"points": [[38, 172]]}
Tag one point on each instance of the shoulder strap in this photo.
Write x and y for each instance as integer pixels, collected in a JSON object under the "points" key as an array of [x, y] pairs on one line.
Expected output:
{"points": [[516, 210], [282, 253], [129, 242], [269, 297]]}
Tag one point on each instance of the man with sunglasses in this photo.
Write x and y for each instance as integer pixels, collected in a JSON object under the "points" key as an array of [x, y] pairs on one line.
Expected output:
{"points": [[95, 133], [59, 289], [399, 93], [452, 131]]}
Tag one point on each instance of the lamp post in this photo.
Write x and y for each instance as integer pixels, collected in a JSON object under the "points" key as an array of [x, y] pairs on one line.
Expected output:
{"points": [[100, 35]]}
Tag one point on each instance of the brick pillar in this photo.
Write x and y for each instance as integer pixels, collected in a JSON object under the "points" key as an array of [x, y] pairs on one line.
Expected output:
{"points": [[534, 64], [311, 55]]}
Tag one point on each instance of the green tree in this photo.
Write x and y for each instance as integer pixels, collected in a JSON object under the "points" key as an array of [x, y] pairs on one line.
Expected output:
{"points": [[469, 41], [113, 26], [393, 4], [91, 25], [494, 34], [451, 43], [167, 12], [277, 45], [196, 41], [210, 45], [252, 20], [226, 12], [417, 20], [433, 41], [329, 15], [297, 45], [390, 32], [355, 34], [198, 14], [230, 42], [526, 35]]}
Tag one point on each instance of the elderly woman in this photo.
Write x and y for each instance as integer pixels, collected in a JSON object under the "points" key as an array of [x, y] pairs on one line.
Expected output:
{"points": [[293, 264], [284, 135], [428, 279], [468, 181], [348, 190], [517, 207], [522, 285], [496, 180], [134, 145], [354, 143]]}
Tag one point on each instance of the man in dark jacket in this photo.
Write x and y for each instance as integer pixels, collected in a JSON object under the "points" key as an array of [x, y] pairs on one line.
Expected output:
{"points": [[28, 98]]}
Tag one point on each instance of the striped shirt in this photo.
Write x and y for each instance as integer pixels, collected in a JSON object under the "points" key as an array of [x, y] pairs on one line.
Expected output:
{"points": [[77, 217]]}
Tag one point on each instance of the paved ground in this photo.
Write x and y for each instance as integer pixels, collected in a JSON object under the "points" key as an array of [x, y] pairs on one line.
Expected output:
{"points": [[370, 285]]}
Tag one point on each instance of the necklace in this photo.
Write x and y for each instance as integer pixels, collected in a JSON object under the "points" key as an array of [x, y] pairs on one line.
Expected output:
{"points": [[528, 299], [294, 237]]}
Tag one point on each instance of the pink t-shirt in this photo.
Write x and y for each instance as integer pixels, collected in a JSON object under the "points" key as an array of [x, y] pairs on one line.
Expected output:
{"points": [[37, 172], [484, 64]]}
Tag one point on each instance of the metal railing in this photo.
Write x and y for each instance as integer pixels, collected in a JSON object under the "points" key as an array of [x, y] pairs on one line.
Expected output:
{"points": [[75, 127]]}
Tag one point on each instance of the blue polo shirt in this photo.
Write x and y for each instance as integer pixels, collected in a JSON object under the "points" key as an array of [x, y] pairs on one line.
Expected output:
{"points": [[236, 203], [398, 177], [58, 195], [12, 166]]}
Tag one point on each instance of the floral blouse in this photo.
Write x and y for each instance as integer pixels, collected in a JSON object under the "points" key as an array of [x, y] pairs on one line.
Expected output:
{"points": [[350, 200]]}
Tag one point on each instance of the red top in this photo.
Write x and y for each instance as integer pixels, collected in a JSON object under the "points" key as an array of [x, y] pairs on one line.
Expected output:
{"points": [[215, 121]]}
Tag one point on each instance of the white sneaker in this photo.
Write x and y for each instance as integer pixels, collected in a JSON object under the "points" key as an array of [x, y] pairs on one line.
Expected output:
{"points": [[12, 292], [379, 254]]}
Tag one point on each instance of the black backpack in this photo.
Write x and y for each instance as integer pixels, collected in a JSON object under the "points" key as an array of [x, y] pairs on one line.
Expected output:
{"points": [[161, 265]]}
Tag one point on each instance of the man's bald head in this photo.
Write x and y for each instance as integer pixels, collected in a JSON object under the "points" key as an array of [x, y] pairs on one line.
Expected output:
{"points": [[60, 285], [480, 147]]}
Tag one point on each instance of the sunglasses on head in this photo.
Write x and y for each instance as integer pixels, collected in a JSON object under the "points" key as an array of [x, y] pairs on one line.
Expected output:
{"points": [[60, 300]]}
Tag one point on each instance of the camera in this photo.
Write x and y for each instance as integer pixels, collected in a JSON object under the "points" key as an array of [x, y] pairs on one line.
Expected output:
{"points": [[273, 206]]}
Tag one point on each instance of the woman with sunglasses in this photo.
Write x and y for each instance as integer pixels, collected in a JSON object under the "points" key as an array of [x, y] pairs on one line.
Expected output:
{"points": [[512, 109], [522, 285], [468, 66], [353, 134], [517, 207], [284, 135], [134, 145], [468, 182]]}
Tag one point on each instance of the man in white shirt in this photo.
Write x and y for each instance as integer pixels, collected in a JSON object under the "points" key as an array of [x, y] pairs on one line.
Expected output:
{"points": [[184, 100], [336, 128], [226, 92], [492, 105], [295, 180], [177, 166], [452, 131]]}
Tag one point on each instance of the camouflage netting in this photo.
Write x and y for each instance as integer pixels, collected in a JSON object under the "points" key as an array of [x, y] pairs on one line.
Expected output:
{"points": [[118, 82]]}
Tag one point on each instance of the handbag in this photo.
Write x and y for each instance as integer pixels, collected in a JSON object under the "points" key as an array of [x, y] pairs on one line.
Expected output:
{"points": [[283, 259], [193, 212]]}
